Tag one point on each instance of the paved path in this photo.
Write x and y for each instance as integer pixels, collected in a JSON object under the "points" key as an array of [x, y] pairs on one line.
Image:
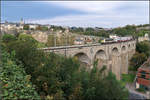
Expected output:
{"points": [[134, 95]]}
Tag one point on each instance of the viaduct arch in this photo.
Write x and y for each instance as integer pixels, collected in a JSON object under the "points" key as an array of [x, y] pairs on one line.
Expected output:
{"points": [[101, 57], [115, 56], [83, 58]]}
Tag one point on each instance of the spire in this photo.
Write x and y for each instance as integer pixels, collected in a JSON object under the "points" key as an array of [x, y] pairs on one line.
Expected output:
{"points": [[6, 21], [21, 21]]}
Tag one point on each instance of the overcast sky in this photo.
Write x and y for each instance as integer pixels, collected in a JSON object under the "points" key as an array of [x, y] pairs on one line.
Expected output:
{"points": [[106, 14]]}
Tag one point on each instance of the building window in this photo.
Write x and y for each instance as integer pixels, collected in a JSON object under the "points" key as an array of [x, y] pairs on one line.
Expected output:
{"points": [[143, 74]]}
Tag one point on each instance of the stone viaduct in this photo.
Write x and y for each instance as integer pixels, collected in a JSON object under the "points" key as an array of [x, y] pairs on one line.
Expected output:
{"points": [[115, 55]]}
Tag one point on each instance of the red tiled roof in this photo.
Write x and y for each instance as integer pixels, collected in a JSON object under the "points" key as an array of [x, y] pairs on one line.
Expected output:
{"points": [[143, 81]]}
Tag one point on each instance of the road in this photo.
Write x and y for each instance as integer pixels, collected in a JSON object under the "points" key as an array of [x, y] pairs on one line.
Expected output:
{"points": [[134, 95]]}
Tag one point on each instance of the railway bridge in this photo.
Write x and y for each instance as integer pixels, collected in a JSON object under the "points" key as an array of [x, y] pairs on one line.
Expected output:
{"points": [[115, 56]]}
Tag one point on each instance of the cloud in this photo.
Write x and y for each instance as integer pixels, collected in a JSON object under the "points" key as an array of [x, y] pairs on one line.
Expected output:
{"points": [[101, 14], [88, 6], [92, 20], [100, 6]]}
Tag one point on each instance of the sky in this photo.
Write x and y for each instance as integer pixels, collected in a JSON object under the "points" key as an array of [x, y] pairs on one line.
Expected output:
{"points": [[106, 14]]}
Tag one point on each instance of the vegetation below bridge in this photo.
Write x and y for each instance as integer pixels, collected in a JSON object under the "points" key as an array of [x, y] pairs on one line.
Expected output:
{"points": [[28, 73]]}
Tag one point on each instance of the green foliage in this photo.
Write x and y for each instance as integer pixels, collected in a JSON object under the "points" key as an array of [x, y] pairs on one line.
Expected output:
{"points": [[26, 27], [54, 76], [59, 41], [142, 32], [99, 41], [127, 30], [41, 45], [51, 41], [103, 33], [57, 77], [143, 52], [14, 82], [90, 31], [143, 47], [144, 25], [8, 38], [131, 30], [115, 91], [95, 85], [27, 38], [121, 31], [42, 28], [56, 28], [26, 51], [128, 78], [141, 90], [77, 30], [137, 60]]}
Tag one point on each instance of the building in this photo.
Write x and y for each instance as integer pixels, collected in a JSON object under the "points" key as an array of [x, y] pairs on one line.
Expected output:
{"points": [[113, 36], [143, 76], [33, 26], [12, 25], [144, 38], [78, 42], [22, 22]]}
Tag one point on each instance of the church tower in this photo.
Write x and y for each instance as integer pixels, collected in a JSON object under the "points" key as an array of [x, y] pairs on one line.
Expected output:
{"points": [[21, 21]]}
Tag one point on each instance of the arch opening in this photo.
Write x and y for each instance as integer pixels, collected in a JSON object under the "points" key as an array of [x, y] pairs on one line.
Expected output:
{"points": [[83, 58], [129, 46], [115, 50], [123, 48], [133, 45], [100, 54]]}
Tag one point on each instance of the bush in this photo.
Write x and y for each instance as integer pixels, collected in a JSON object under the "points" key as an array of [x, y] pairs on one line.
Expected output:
{"points": [[28, 38], [141, 90], [137, 60], [143, 47], [26, 27], [8, 38], [57, 77], [128, 78], [14, 82]]}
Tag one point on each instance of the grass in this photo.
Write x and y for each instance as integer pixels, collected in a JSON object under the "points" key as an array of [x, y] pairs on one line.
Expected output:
{"points": [[141, 90], [128, 78]]}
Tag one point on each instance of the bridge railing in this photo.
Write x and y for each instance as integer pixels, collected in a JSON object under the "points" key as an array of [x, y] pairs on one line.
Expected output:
{"points": [[73, 46], [80, 46]]}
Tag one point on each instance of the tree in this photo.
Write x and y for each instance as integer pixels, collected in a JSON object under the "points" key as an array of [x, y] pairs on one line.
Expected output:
{"points": [[137, 60], [114, 91], [8, 38], [96, 83], [26, 27], [28, 38], [57, 77], [124, 31], [26, 51], [51, 40], [89, 29], [143, 47], [14, 82], [42, 28]]}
